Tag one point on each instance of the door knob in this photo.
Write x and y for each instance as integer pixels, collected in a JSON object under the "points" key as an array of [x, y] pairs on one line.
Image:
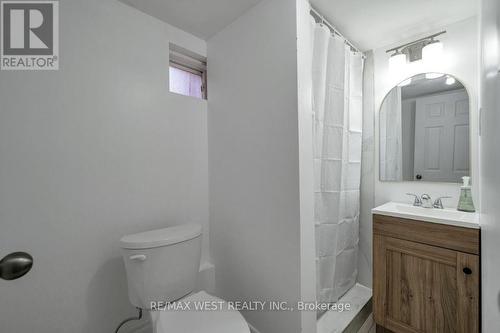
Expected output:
{"points": [[418, 177], [15, 265], [467, 271]]}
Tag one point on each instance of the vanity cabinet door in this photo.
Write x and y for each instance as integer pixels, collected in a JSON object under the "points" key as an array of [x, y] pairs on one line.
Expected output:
{"points": [[424, 288]]}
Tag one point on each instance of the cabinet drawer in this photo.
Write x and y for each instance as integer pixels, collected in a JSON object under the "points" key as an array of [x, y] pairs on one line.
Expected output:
{"points": [[446, 236]]}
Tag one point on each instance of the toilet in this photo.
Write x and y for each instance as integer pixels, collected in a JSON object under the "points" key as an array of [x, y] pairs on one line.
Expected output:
{"points": [[162, 268]]}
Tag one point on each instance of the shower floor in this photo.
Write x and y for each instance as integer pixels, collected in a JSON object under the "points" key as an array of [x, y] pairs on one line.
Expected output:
{"points": [[338, 322]]}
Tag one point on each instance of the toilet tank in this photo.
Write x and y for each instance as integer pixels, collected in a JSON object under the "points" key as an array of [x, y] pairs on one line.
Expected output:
{"points": [[161, 265]]}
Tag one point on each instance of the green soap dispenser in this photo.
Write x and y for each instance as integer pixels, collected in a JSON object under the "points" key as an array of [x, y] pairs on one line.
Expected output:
{"points": [[465, 204]]}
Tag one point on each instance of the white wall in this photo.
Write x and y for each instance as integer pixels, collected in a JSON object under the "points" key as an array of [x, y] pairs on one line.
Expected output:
{"points": [[461, 60], [490, 165], [89, 153], [306, 168], [367, 175], [253, 127]]}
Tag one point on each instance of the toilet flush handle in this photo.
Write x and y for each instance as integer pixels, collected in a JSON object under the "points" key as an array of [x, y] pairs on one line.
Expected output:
{"points": [[138, 257]]}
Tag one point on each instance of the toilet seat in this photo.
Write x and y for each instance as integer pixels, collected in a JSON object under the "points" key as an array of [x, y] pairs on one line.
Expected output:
{"points": [[195, 321]]}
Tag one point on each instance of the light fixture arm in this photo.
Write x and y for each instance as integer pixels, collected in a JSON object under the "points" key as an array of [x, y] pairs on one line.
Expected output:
{"points": [[428, 38]]}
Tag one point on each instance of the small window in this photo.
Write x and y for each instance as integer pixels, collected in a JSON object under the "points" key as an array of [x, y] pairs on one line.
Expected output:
{"points": [[187, 73]]}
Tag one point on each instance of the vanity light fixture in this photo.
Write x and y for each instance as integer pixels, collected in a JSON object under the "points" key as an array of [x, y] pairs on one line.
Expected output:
{"points": [[450, 80], [428, 49], [432, 51]]}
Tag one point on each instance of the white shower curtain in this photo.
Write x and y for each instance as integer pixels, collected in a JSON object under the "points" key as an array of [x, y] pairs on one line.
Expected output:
{"points": [[337, 106], [391, 137]]}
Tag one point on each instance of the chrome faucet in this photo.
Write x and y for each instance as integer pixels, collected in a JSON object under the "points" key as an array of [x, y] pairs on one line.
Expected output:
{"points": [[426, 200], [417, 202], [438, 203]]}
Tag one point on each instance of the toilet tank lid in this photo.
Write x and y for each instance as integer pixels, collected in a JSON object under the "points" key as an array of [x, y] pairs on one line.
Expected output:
{"points": [[161, 237]]}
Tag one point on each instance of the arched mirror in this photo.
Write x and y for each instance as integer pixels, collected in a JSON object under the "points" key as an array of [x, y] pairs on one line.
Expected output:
{"points": [[424, 130]]}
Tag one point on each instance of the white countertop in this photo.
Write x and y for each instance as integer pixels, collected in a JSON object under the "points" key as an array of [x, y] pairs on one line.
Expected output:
{"points": [[433, 215]]}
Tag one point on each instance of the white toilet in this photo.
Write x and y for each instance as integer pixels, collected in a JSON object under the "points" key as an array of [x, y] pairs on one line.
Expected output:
{"points": [[162, 266]]}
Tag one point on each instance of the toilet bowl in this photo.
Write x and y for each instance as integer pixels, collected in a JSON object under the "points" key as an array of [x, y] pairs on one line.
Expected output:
{"points": [[162, 268], [220, 320]]}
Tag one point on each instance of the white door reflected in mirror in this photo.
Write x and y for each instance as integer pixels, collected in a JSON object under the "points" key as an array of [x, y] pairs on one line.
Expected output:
{"points": [[424, 130]]}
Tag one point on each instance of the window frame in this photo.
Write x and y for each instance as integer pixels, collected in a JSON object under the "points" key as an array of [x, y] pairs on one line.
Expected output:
{"points": [[191, 62]]}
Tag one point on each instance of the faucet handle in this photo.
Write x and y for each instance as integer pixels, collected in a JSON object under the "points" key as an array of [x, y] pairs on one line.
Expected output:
{"points": [[438, 203], [417, 201]]}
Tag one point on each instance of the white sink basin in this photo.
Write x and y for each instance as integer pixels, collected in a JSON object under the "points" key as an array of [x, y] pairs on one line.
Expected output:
{"points": [[433, 215]]}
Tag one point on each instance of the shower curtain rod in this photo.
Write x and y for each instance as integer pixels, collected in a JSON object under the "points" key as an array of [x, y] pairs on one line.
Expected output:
{"points": [[334, 30]]}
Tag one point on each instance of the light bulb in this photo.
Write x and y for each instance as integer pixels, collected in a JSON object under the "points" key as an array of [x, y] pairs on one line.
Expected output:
{"points": [[431, 76], [450, 80], [397, 62], [433, 52]]}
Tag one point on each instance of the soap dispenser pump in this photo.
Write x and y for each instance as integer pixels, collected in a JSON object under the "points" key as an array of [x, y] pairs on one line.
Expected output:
{"points": [[465, 204]]}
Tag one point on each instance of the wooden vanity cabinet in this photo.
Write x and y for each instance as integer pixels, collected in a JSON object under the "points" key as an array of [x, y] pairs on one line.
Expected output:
{"points": [[426, 277]]}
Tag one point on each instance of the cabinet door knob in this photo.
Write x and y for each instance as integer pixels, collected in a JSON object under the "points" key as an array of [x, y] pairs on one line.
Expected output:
{"points": [[467, 270]]}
